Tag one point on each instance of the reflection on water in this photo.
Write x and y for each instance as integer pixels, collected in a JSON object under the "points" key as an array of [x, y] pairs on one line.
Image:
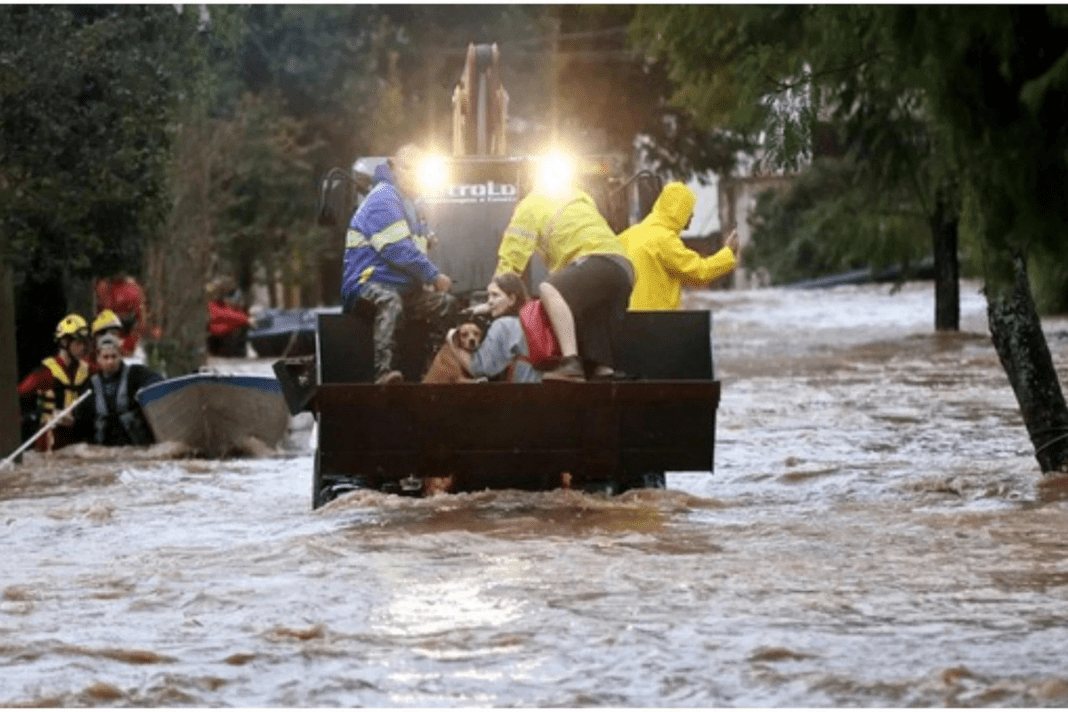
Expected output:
{"points": [[874, 534]]}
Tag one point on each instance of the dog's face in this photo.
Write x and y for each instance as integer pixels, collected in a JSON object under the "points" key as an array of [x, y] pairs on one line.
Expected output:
{"points": [[468, 336]]}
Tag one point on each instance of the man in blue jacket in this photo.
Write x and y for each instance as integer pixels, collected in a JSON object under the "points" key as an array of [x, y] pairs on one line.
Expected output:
{"points": [[386, 264]]}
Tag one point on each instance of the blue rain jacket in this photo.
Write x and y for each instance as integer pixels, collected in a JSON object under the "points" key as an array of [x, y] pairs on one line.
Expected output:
{"points": [[386, 242]]}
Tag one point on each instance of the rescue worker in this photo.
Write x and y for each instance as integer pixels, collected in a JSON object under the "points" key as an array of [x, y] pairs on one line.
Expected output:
{"points": [[663, 263], [106, 322], [112, 416], [126, 299], [58, 382], [590, 276], [228, 323], [386, 263], [661, 260]]}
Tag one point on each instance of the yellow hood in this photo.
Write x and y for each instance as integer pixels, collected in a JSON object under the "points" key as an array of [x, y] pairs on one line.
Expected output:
{"points": [[674, 206]]}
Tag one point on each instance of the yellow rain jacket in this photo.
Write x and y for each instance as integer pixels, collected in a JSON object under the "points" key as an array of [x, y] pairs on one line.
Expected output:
{"points": [[662, 263], [560, 229]]}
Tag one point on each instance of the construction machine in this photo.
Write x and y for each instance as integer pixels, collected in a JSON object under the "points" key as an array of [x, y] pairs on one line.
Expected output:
{"points": [[607, 436]]}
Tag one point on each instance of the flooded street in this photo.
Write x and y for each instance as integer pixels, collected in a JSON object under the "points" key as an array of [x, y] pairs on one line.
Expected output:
{"points": [[874, 534]]}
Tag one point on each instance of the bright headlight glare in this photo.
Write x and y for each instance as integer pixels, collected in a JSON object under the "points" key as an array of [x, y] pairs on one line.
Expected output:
{"points": [[433, 174], [555, 173]]}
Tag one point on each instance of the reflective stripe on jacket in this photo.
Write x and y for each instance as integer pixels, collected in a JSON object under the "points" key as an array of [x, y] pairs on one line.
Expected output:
{"points": [[385, 241], [662, 262], [561, 230], [65, 390]]}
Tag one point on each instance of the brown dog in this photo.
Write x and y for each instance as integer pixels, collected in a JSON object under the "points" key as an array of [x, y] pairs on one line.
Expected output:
{"points": [[446, 368]]}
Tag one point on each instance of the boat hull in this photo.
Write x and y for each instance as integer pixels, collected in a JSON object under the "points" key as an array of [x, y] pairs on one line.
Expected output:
{"points": [[216, 415]]}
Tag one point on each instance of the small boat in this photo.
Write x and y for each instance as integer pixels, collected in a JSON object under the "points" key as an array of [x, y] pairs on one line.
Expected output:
{"points": [[217, 415], [286, 332]]}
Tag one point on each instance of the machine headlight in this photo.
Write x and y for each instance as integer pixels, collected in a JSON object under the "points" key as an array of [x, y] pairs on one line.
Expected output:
{"points": [[433, 174], [555, 173]]}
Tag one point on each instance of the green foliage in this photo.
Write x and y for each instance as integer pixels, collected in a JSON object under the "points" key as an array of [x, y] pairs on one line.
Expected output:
{"points": [[1049, 281], [317, 61], [724, 59], [390, 125], [84, 100], [830, 221], [816, 81], [263, 191], [996, 86]]}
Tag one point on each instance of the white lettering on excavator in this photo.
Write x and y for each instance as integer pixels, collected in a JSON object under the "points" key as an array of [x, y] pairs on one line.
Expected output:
{"points": [[488, 192]]}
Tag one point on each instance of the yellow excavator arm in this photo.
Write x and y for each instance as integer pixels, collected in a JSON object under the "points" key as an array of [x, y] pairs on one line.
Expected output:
{"points": [[480, 105]]}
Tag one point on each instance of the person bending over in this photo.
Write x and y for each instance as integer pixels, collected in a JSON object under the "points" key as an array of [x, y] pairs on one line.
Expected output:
{"points": [[590, 281]]}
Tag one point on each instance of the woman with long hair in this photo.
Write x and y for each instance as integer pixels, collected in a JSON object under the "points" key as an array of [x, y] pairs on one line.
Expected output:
{"points": [[504, 349]]}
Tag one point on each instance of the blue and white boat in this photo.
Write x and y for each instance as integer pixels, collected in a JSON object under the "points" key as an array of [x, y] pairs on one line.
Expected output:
{"points": [[286, 332], [217, 415]]}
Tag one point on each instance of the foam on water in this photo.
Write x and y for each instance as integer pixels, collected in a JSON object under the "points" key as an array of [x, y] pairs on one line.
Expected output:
{"points": [[872, 535]]}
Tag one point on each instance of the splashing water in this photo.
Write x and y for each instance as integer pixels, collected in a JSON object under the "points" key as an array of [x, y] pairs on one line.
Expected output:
{"points": [[874, 534]]}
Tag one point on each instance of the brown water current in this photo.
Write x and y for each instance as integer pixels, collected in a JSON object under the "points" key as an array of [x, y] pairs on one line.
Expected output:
{"points": [[875, 533]]}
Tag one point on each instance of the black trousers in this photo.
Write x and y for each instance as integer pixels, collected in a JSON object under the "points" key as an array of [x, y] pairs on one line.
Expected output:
{"points": [[597, 290]]}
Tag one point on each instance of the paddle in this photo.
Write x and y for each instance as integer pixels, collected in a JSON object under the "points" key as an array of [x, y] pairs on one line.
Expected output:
{"points": [[44, 429]]}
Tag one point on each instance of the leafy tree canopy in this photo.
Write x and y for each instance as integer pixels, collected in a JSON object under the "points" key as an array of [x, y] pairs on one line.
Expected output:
{"points": [[830, 220], [84, 97]]}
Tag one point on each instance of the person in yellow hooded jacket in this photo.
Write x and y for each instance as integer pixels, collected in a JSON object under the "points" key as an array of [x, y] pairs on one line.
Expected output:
{"points": [[662, 262], [590, 276]]}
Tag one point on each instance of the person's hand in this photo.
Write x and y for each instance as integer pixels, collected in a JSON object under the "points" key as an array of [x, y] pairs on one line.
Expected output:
{"points": [[442, 283], [66, 421], [732, 241]]}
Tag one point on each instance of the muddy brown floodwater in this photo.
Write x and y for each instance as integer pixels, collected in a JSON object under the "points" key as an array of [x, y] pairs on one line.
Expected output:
{"points": [[874, 534]]}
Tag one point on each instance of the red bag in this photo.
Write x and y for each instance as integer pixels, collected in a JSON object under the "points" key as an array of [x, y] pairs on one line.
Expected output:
{"points": [[542, 345]]}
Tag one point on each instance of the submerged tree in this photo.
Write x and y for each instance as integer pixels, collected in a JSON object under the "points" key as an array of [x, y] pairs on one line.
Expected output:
{"points": [[993, 87], [996, 79]]}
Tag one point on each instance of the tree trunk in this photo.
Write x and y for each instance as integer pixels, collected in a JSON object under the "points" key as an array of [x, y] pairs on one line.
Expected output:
{"points": [[10, 415], [944, 224], [179, 260], [1021, 346]]}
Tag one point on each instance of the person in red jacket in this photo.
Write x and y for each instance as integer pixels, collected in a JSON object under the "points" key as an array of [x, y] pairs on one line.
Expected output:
{"points": [[58, 382], [124, 296], [228, 324]]}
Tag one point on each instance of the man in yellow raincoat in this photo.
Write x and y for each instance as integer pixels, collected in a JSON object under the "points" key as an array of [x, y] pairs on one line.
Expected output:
{"points": [[662, 262], [590, 281]]}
